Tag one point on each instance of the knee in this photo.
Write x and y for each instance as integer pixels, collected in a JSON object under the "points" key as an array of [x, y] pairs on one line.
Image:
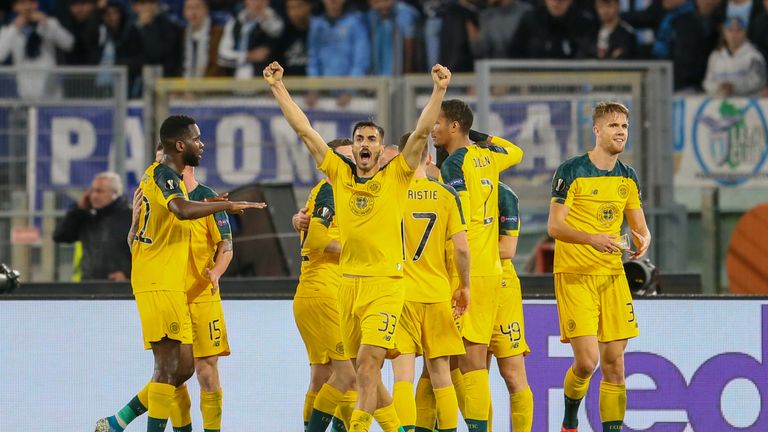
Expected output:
{"points": [[613, 370], [585, 366], [184, 371], [514, 380], [367, 369]]}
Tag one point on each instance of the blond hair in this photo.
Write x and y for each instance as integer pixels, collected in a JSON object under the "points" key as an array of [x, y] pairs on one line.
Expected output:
{"points": [[608, 107]]}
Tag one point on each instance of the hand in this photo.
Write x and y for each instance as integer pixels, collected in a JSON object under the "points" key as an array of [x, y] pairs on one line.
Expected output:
{"points": [[725, 89], [258, 55], [214, 278], [300, 220], [604, 243], [39, 17], [641, 244], [138, 200], [218, 198], [84, 202], [460, 301], [441, 76], [20, 21], [273, 73], [432, 171], [117, 276], [238, 207]]}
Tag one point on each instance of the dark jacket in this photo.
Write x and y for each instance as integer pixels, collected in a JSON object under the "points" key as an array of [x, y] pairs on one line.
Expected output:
{"points": [[758, 33], [622, 44], [162, 44], [542, 36], [103, 236]]}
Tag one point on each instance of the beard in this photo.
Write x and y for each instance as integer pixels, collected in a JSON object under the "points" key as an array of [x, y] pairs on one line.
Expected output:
{"points": [[190, 158]]}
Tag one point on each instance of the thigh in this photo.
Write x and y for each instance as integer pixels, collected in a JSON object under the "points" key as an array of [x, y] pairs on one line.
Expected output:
{"points": [[440, 336], [509, 327], [577, 305], [476, 325], [617, 311], [378, 306], [318, 322], [409, 332], [164, 314], [349, 323], [209, 329]]}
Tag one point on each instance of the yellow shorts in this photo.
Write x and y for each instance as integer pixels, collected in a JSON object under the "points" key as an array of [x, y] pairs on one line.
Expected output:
{"points": [[164, 314], [476, 325], [318, 321], [209, 329], [428, 328], [595, 305], [509, 329], [369, 310]]}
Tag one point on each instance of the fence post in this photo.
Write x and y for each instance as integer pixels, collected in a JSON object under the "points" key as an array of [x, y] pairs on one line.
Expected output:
{"points": [[47, 245], [20, 256], [710, 227]]}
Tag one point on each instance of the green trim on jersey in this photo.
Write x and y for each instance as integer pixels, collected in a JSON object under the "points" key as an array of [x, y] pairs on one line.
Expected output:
{"points": [[455, 196], [509, 209], [200, 193], [582, 166], [167, 181], [324, 205], [452, 172]]}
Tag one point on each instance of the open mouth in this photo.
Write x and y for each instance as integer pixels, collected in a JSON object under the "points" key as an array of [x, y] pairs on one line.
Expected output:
{"points": [[365, 155]]}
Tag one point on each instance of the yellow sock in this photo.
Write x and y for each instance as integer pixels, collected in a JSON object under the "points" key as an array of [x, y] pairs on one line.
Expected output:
{"points": [[478, 395], [521, 410], [613, 402], [211, 406], [309, 402], [159, 398], [143, 396], [575, 387], [180, 409], [458, 383], [346, 407], [327, 400], [447, 408], [404, 402], [387, 418], [360, 421], [426, 404]]}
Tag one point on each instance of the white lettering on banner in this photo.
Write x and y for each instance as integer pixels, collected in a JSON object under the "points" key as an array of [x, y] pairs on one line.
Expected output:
{"points": [[294, 163], [72, 138], [249, 128], [135, 158], [537, 137]]}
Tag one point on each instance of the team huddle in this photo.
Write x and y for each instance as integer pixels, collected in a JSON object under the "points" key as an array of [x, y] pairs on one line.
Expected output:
{"points": [[400, 258]]}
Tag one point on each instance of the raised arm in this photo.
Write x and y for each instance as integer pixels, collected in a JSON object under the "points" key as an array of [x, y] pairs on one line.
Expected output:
{"points": [[273, 74], [186, 209], [441, 77], [505, 152], [559, 229]]}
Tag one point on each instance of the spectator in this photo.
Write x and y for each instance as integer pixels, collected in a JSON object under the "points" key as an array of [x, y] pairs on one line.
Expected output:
{"points": [[119, 44], [758, 31], [711, 14], [160, 37], [392, 25], [616, 39], [737, 68], [100, 220], [555, 30], [678, 38], [432, 11], [250, 40], [458, 32], [201, 41], [31, 40], [338, 42], [498, 25], [83, 20], [293, 45]]}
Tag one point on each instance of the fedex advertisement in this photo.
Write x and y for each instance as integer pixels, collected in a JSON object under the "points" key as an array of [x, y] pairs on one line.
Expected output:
{"points": [[697, 366]]}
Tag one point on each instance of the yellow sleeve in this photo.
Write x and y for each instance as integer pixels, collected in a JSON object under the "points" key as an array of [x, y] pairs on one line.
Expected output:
{"points": [[505, 153], [633, 198], [318, 236]]}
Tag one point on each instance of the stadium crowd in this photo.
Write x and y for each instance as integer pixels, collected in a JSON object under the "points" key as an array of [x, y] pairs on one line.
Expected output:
{"points": [[717, 46]]}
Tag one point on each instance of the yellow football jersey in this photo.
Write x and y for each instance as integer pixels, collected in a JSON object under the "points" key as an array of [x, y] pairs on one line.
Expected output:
{"points": [[597, 200], [207, 233], [161, 248], [474, 172], [370, 215], [432, 216], [509, 224], [320, 272]]}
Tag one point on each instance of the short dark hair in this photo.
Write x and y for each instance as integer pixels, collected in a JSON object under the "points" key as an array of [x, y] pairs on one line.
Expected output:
{"points": [[368, 123], [404, 141], [174, 128], [458, 111], [339, 142]]}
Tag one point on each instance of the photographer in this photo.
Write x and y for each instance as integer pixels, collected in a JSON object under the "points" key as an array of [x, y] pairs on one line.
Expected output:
{"points": [[31, 40], [100, 220]]}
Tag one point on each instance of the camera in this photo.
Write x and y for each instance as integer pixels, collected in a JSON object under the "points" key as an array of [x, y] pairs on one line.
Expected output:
{"points": [[643, 277], [9, 279]]}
